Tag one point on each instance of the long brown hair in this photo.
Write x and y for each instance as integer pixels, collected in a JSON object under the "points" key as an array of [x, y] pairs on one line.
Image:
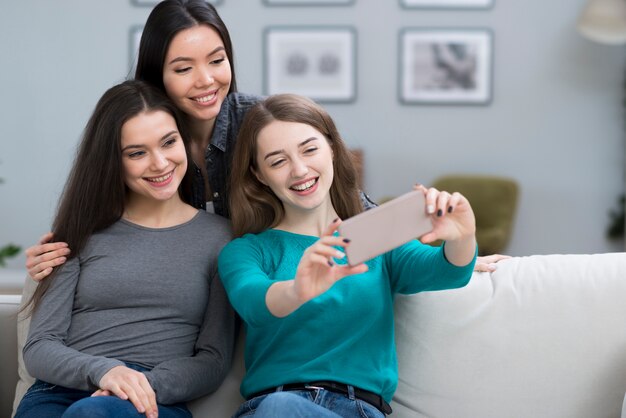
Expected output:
{"points": [[94, 194], [253, 206]]}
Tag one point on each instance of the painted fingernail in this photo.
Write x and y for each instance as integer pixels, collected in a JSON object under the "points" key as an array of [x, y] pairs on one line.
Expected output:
{"points": [[449, 209], [330, 263], [336, 220], [430, 209], [439, 212], [346, 240]]}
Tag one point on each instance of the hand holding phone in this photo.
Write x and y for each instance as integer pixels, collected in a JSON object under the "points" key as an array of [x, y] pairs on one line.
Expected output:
{"points": [[385, 227]]}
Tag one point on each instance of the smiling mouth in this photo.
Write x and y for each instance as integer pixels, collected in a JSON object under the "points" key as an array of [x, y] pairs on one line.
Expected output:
{"points": [[302, 187], [160, 179], [206, 99]]}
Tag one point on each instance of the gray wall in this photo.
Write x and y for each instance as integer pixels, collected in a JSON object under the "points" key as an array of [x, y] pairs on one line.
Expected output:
{"points": [[555, 122]]}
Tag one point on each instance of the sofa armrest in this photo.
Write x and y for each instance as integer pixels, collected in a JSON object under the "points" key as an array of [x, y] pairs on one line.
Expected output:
{"points": [[9, 304], [11, 281]]}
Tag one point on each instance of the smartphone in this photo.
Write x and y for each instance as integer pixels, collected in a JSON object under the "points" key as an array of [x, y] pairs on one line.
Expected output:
{"points": [[385, 227]]}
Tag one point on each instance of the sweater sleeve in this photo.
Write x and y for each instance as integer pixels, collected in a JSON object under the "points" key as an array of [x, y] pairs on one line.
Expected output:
{"points": [[183, 379], [46, 355], [415, 267], [241, 267]]}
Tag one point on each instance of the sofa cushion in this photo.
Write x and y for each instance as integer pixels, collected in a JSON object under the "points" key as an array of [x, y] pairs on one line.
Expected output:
{"points": [[8, 366], [542, 336], [25, 380]]}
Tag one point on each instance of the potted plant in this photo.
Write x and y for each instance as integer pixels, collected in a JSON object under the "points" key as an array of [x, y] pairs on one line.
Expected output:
{"points": [[9, 250]]}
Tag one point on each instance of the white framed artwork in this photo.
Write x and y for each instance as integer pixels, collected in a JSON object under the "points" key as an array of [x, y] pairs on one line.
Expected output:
{"points": [[308, 2], [445, 66], [317, 62], [447, 4]]}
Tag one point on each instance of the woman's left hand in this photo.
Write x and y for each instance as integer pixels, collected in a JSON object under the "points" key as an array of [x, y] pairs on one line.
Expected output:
{"points": [[488, 263], [451, 214], [131, 385]]}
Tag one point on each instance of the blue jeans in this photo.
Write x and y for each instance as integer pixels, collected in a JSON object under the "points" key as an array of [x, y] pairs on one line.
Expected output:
{"points": [[52, 401], [318, 403]]}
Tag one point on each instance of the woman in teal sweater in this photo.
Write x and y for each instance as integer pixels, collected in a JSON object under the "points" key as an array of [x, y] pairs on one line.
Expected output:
{"points": [[319, 333]]}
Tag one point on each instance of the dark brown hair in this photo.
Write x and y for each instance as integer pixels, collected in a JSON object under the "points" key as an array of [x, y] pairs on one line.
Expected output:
{"points": [[167, 19], [253, 206], [95, 192]]}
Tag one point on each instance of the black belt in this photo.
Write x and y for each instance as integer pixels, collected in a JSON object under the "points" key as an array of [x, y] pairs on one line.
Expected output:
{"points": [[364, 395]]}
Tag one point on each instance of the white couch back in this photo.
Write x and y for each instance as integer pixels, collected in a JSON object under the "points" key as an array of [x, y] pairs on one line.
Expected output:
{"points": [[543, 336]]}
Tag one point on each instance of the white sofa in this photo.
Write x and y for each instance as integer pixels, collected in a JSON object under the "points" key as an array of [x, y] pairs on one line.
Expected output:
{"points": [[543, 336]]}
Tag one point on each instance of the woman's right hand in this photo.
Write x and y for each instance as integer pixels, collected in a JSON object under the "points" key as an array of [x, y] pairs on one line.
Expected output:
{"points": [[44, 256], [131, 385], [316, 273]]}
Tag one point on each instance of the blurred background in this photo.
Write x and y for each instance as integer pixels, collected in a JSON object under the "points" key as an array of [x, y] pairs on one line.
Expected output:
{"points": [[555, 122]]}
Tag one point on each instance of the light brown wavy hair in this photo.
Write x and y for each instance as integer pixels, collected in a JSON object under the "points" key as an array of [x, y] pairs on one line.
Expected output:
{"points": [[253, 206]]}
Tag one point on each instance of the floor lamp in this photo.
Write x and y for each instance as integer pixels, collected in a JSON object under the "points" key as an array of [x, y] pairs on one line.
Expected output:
{"points": [[604, 21]]}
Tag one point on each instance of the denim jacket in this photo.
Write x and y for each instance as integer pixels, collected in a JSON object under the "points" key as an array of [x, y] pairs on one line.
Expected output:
{"points": [[218, 155]]}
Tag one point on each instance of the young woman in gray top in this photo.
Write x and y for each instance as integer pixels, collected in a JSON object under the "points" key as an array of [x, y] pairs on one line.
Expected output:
{"points": [[138, 314]]}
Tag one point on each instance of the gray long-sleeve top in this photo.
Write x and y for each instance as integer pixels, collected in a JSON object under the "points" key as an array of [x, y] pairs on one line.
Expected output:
{"points": [[146, 296]]}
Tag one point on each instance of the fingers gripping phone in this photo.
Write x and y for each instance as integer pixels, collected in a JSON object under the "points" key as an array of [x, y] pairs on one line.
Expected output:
{"points": [[385, 227]]}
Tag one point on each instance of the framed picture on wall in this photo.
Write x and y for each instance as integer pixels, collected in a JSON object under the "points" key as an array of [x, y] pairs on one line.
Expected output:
{"points": [[447, 4], [445, 66], [134, 37], [318, 62], [155, 2], [308, 2]]}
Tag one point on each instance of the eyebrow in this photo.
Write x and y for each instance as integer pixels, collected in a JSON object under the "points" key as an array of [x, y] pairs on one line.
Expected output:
{"points": [[185, 59], [301, 144], [131, 146]]}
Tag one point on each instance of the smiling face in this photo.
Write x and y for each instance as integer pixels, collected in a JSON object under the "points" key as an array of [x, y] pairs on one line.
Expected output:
{"points": [[197, 73], [153, 157], [296, 162]]}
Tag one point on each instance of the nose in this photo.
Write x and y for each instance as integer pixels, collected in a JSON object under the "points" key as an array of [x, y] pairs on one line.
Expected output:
{"points": [[159, 161], [299, 168], [205, 77]]}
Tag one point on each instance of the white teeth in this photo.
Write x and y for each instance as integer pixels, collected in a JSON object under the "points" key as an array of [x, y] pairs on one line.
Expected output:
{"points": [[205, 99], [159, 179], [304, 186]]}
